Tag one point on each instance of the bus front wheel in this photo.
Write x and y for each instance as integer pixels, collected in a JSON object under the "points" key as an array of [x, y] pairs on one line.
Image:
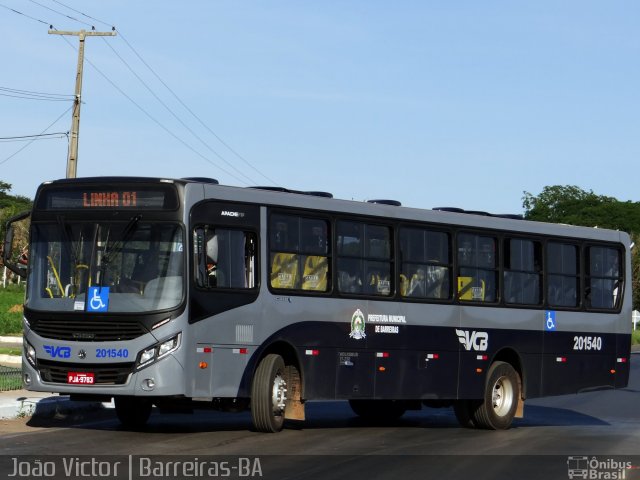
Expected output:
{"points": [[133, 412], [502, 392], [269, 394]]}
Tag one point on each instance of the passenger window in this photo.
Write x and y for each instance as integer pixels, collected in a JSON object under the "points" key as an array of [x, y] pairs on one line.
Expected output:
{"points": [[604, 277], [425, 269], [225, 258], [364, 258], [477, 268], [522, 271], [563, 282], [299, 253]]}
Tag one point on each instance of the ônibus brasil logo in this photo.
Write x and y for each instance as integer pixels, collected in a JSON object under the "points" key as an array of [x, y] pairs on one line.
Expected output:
{"points": [[357, 325]]}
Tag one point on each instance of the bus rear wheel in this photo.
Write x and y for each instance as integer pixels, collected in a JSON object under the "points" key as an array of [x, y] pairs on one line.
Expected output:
{"points": [[384, 410], [269, 394], [133, 412], [502, 392]]}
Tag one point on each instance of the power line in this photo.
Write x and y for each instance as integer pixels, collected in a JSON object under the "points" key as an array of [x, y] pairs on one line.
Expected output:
{"points": [[37, 94], [34, 139], [193, 114], [157, 122], [60, 13], [83, 14], [36, 98], [24, 14], [176, 116], [29, 95], [41, 136], [249, 164], [163, 83]]}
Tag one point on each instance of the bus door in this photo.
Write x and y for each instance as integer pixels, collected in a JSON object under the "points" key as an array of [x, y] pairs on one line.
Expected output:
{"points": [[225, 276]]}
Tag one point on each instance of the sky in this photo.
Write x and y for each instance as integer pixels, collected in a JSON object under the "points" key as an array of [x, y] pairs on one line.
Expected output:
{"points": [[433, 103]]}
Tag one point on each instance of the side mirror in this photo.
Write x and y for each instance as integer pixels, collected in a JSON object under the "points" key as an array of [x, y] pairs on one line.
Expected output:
{"points": [[14, 260]]}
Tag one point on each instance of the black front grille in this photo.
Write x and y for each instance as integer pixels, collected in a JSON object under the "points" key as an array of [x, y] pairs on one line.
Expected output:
{"points": [[56, 372], [88, 331]]}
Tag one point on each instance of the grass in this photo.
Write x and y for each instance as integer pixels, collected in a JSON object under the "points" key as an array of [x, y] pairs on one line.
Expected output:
{"points": [[10, 378], [10, 351], [11, 299], [635, 337]]}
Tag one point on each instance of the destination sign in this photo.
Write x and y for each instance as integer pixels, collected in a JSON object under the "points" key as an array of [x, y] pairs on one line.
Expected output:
{"points": [[95, 198], [110, 199]]}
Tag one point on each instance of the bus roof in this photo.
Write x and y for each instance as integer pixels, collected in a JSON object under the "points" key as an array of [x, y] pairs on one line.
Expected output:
{"points": [[384, 209]]}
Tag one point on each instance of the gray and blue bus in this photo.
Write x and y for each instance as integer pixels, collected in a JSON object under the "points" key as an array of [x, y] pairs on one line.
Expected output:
{"points": [[187, 294]]}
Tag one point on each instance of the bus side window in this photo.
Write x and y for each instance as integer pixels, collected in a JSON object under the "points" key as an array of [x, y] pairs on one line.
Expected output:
{"points": [[563, 274], [299, 258], [425, 268], [522, 271], [477, 268], [224, 258], [604, 277], [314, 242]]}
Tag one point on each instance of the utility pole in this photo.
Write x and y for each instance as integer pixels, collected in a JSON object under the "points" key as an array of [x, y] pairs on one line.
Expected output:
{"points": [[72, 160]]}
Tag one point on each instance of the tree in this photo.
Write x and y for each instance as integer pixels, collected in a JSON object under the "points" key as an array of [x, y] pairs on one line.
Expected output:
{"points": [[11, 205], [572, 205]]}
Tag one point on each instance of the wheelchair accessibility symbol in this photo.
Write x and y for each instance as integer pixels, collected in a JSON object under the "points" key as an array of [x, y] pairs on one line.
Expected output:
{"points": [[550, 320], [98, 299]]}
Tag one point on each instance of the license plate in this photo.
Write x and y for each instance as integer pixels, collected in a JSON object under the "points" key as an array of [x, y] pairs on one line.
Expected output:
{"points": [[80, 378]]}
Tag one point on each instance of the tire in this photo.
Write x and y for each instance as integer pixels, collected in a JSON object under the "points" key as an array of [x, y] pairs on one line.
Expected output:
{"points": [[269, 394], [133, 412], [382, 410], [464, 410], [501, 396]]}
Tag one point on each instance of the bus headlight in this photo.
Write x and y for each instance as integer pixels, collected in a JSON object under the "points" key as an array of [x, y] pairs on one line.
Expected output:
{"points": [[30, 353], [147, 356], [157, 351], [168, 346]]}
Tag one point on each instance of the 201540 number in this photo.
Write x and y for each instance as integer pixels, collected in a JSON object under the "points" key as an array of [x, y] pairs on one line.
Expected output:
{"points": [[587, 343], [112, 353]]}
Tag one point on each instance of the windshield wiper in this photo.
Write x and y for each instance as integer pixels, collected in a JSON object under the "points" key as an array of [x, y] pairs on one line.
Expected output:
{"points": [[110, 252], [68, 243], [71, 249]]}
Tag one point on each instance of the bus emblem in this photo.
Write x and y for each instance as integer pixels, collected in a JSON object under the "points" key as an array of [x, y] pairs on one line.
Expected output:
{"points": [[473, 340], [357, 325]]}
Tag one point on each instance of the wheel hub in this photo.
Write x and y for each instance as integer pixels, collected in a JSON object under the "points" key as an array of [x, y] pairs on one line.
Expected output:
{"points": [[279, 394], [502, 396]]}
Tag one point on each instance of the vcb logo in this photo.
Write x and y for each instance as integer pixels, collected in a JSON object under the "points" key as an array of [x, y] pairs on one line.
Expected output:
{"points": [[58, 352], [473, 340]]}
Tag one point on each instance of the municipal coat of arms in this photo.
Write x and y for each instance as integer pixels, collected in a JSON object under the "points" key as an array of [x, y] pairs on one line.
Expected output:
{"points": [[357, 325]]}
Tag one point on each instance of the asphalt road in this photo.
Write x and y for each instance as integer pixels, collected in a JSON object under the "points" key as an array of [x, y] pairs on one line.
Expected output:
{"points": [[334, 443]]}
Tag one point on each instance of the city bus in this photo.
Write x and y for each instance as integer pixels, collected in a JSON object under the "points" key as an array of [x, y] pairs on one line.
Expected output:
{"points": [[185, 294]]}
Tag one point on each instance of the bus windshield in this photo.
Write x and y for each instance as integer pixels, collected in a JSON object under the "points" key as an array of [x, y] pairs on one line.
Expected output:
{"points": [[117, 267]]}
